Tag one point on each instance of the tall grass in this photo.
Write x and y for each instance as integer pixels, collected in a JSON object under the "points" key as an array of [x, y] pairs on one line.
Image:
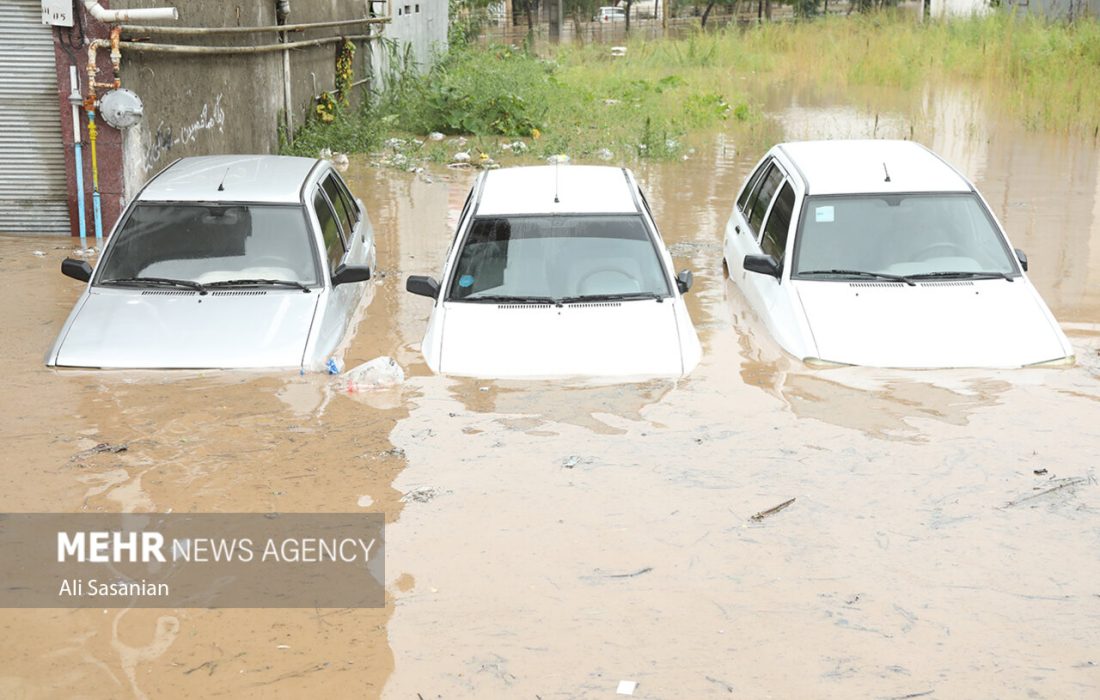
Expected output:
{"points": [[581, 99], [1046, 74]]}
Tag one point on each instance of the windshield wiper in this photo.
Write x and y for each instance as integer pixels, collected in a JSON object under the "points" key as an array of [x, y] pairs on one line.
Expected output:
{"points": [[509, 299], [625, 296], [157, 282], [961, 275], [259, 283], [859, 273]]}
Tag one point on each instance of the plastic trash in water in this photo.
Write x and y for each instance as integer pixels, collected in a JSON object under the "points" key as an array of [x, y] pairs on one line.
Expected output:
{"points": [[435, 136], [379, 373], [462, 157], [333, 366]]}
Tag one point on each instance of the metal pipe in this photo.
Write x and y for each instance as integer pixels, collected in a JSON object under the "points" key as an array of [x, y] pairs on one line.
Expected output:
{"points": [[97, 212], [89, 107], [272, 28], [288, 105], [78, 156], [263, 48], [151, 14]]}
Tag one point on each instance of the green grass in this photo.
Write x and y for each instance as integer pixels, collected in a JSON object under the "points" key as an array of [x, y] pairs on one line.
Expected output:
{"points": [[580, 100]]}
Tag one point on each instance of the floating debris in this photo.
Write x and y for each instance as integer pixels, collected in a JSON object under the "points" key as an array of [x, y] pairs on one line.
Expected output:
{"points": [[771, 511]]}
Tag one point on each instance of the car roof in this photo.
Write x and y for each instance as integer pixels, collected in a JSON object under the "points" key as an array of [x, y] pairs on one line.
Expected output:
{"points": [[858, 166], [557, 189], [244, 178]]}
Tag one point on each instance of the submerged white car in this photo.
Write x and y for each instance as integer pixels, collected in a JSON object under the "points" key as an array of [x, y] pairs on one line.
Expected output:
{"points": [[224, 262], [879, 253], [558, 271]]}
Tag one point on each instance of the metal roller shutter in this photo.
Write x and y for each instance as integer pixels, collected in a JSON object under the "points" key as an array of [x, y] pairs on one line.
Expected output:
{"points": [[33, 191]]}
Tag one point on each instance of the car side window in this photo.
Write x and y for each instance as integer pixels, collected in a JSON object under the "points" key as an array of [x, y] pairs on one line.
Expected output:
{"points": [[330, 230], [750, 187], [347, 218], [349, 201], [774, 242], [763, 197]]}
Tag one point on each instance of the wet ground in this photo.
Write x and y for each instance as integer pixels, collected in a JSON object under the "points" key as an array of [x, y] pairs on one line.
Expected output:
{"points": [[548, 542]]}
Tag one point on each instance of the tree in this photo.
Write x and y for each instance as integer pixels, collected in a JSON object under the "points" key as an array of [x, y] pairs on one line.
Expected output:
{"points": [[805, 8]]}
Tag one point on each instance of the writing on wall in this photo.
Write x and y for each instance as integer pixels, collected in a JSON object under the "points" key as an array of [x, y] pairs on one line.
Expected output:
{"points": [[167, 137]]}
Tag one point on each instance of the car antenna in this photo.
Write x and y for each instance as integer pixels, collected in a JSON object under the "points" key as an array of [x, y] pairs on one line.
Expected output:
{"points": [[221, 185], [886, 171], [557, 166]]}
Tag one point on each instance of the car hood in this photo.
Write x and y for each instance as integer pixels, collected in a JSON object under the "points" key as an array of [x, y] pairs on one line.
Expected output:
{"points": [[605, 339], [166, 329], [983, 323]]}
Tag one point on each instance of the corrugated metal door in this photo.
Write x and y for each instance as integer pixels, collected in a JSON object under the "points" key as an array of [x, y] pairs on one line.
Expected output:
{"points": [[33, 192]]}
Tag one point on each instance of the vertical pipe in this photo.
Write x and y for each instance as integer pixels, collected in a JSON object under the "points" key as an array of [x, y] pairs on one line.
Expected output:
{"points": [[288, 106], [78, 156], [96, 211]]}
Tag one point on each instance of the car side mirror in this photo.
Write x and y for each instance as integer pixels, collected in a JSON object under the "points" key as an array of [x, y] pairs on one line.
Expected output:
{"points": [[763, 264], [1022, 257], [684, 280], [344, 274], [422, 285], [78, 269]]}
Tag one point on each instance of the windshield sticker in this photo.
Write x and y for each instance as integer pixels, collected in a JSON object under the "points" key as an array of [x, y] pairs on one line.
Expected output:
{"points": [[466, 281], [824, 215]]}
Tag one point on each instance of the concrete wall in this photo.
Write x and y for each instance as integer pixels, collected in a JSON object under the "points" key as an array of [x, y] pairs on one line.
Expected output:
{"points": [[216, 104], [941, 9]]}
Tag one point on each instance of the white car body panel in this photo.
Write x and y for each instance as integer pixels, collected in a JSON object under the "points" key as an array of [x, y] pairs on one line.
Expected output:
{"points": [[984, 323], [166, 329], [620, 339], [942, 324], [627, 339]]}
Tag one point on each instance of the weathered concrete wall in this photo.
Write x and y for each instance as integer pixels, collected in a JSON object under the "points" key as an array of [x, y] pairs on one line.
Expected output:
{"points": [[197, 105], [216, 104]]}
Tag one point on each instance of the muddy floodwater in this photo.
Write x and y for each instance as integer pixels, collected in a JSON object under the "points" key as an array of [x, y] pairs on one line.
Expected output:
{"points": [[550, 541]]}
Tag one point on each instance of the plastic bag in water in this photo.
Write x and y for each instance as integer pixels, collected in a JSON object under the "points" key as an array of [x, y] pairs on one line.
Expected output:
{"points": [[379, 373]]}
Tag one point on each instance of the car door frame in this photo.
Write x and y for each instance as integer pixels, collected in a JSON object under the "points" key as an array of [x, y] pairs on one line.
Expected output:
{"points": [[759, 289], [337, 305]]}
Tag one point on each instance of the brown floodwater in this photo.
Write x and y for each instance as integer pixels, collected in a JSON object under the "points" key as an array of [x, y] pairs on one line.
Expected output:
{"points": [[548, 541]]}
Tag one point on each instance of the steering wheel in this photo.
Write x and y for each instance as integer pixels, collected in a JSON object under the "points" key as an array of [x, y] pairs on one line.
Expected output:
{"points": [[630, 282], [925, 253]]}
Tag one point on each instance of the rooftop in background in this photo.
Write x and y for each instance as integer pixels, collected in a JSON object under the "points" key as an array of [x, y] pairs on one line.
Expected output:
{"points": [[854, 167], [581, 189], [274, 179]]}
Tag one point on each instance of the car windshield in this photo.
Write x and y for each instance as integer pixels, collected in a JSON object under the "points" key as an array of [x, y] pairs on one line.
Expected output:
{"points": [[558, 258], [906, 235], [211, 243]]}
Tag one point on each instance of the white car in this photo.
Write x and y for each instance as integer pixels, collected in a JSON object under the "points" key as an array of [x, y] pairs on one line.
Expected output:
{"points": [[879, 253], [224, 262], [558, 271], [611, 14]]}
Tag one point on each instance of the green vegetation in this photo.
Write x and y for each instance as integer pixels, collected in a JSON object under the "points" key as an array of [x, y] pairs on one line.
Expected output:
{"points": [[581, 100]]}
